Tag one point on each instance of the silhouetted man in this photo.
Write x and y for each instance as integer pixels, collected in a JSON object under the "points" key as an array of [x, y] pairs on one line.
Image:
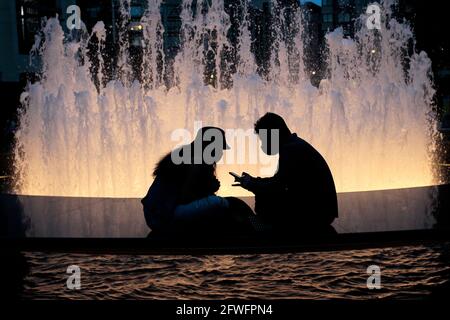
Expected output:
{"points": [[301, 197]]}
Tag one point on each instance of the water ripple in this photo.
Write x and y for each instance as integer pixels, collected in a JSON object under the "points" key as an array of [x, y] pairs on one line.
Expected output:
{"points": [[408, 272]]}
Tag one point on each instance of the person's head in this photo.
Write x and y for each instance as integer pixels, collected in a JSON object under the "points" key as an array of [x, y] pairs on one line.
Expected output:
{"points": [[272, 131], [211, 142]]}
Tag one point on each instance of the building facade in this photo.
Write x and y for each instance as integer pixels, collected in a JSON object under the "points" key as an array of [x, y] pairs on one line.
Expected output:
{"points": [[342, 13]]}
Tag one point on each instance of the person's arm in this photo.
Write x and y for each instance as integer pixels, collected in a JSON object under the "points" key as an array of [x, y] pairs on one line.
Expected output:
{"points": [[265, 185], [261, 185]]}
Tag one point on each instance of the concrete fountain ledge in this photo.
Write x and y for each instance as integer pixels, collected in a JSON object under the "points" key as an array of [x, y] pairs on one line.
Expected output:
{"points": [[366, 219], [236, 245]]}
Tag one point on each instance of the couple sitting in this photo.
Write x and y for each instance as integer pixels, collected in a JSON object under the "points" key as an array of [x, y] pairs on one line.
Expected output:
{"points": [[299, 199]]}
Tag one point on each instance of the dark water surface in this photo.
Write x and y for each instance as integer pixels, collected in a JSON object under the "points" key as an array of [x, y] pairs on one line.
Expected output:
{"points": [[407, 272]]}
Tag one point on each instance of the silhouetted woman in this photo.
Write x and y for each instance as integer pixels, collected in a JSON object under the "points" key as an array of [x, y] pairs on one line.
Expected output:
{"points": [[182, 198]]}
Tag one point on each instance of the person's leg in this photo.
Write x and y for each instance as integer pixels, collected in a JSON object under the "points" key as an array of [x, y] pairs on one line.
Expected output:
{"points": [[239, 206], [245, 214], [215, 215], [201, 209], [204, 217], [242, 216]]}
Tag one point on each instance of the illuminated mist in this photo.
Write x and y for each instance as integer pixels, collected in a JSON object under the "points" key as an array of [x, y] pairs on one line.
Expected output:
{"points": [[369, 118]]}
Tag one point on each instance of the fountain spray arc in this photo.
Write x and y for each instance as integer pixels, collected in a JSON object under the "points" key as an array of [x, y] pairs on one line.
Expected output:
{"points": [[84, 134]]}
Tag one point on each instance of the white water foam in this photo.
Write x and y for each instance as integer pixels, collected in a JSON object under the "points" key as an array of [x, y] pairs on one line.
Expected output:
{"points": [[370, 118]]}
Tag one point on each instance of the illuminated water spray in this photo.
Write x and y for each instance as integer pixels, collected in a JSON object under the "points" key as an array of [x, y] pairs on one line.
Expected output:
{"points": [[84, 135]]}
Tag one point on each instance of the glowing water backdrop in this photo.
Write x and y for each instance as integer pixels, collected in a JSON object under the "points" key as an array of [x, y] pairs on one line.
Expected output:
{"points": [[83, 134]]}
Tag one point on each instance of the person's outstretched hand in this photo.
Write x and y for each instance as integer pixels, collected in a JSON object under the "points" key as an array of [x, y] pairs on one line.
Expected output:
{"points": [[244, 181]]}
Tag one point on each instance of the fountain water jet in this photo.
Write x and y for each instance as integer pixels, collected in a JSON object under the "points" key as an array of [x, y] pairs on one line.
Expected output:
{"points": [[81, 135]]}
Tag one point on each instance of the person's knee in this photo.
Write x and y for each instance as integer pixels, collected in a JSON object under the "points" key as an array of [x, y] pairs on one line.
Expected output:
{"points": [[239, 206]]}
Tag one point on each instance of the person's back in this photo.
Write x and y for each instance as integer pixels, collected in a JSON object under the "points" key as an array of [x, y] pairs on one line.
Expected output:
{"points": [[164, 193], [310, 194]]}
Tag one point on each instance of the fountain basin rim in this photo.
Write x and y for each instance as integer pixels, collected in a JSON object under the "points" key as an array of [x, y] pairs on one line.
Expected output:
{"points": [[118, 198]]}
